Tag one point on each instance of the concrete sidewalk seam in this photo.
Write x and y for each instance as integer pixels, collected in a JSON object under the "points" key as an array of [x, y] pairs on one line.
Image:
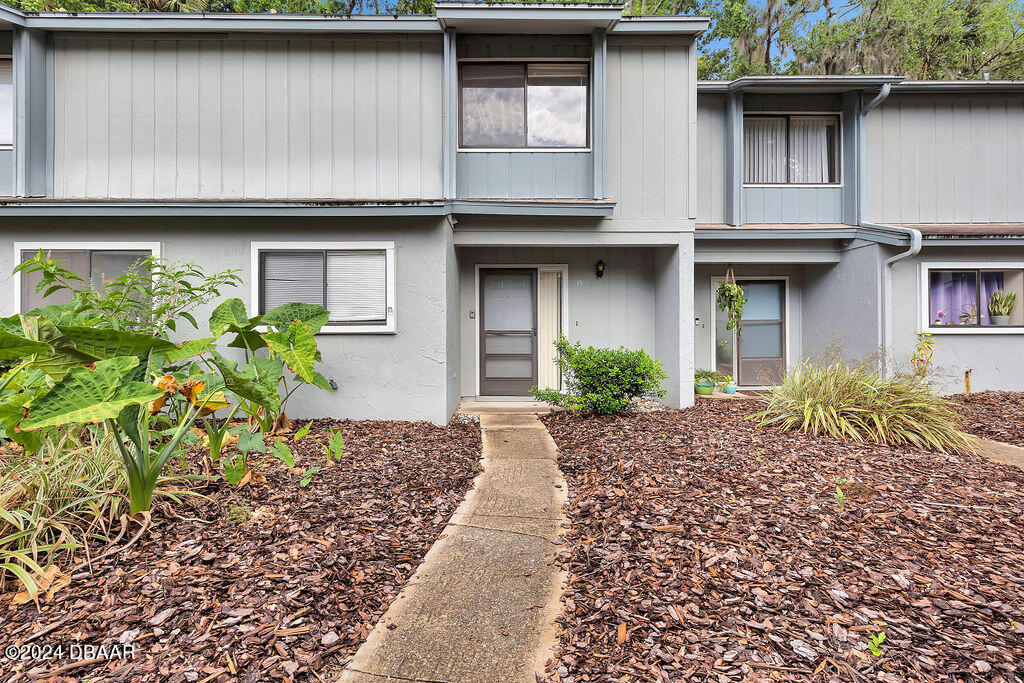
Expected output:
{"points": [[500, 531], [398, 678]]}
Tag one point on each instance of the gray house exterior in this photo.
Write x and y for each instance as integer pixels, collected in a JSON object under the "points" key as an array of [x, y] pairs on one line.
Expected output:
{"points": [[459, 189]]}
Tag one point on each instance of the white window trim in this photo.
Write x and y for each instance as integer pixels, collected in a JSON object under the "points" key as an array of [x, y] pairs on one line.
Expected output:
{"points": [[790, 349], [562, 268], [390, 325], [155, 248], [839, 167], [924, 303]]}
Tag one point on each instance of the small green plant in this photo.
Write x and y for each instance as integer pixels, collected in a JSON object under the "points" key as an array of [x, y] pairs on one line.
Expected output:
{"points": [[216, 434], [236, 468], [725, 381], [709, 376], [924, 351], [333, 449], [249, 442], [731, 299], [875, 643], [237, 514], [281, 451], [603, 381], [1002, 303], [840, 497], [307, 476]]}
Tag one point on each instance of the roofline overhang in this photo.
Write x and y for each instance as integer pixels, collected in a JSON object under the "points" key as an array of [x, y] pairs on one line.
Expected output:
{"points": [[957, 86], [290, 208], [808, 232], [512, 17], [791, 84]]}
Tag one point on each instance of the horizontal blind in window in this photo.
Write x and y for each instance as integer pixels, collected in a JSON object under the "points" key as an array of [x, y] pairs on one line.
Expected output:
{"points": [[292, 277], [357, 286], [764, 150]]}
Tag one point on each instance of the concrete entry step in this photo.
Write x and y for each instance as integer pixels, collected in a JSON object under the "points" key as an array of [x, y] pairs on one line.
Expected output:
{"points": [[473, 407], [482, 605]]}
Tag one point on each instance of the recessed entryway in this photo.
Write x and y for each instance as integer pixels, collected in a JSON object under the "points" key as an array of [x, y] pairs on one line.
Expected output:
{"points": [[756, 356]]}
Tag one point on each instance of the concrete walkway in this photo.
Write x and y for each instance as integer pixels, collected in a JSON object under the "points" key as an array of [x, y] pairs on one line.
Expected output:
{"points": [[483, 604], [1000, 452]]}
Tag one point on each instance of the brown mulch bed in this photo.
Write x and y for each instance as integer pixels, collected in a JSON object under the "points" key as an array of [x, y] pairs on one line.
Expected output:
{"points": [[996, 415], [704, 546], [268, 581]]}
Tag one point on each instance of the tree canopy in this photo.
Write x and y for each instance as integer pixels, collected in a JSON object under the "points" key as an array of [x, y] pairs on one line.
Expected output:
{"points": [[922, 39]]}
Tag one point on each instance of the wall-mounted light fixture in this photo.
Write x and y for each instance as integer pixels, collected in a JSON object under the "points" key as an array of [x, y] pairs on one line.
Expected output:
{"points": [[599, 269]]}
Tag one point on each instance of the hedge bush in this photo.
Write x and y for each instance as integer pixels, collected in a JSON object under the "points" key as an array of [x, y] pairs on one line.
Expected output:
{"points": [[603, 381]]}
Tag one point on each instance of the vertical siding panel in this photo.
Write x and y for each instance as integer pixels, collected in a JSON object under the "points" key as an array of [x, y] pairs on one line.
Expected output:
{"points": [[676, 129], [60, 120], [97, 62], [409, 145], [255, 132], [618, 274], [389, 133], [1014, 157], [479, 177], [521, 176], [210, 94], [321, 133], [431, 112], [907, 183], [187, 119], [232, 124], [120, 120], [892, 167], [600, 325], [277, 119], [543, 175], [998, 190], [982, 154], [566, 175], [653, 133], [499, 182], [963, 184], [926, 169], [874, 134], [613, 128], [344, 119], [299, 103], [945, 161], [631, 132], [165, 128], [365, 95], [144, 118]]}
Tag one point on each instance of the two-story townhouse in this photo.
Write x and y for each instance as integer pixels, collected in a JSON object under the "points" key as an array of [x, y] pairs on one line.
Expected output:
{"points": [[862, 210], [460, 189], [457, 190]]}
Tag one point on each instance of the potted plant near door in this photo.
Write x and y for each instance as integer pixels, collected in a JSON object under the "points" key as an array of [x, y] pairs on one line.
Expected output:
{"points": [[728, 385], [730, 298], [705, 381], [1000, 306]]}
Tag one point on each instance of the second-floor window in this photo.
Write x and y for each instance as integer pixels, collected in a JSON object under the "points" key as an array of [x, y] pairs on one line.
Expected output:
{"points": [[524, 106], [6, 103], [790, 149]]}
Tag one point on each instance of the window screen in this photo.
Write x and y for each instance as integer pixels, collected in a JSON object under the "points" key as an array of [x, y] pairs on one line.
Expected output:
{"points": [[351, 283], [791, 149]]}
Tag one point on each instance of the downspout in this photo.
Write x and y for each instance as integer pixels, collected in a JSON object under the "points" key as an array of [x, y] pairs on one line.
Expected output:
{"points": [[885, 305]]}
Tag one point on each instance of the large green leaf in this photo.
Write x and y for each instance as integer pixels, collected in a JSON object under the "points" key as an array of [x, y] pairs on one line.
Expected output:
{"points": [[64, 355], [194, 347], [101, 342], [256, 382], [229, 315], [14, 346], [283, 316], [297, 347], [90, 395], [248, 339]]}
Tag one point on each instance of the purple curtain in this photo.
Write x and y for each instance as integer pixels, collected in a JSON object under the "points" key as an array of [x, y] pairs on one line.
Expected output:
{"points": [[953, 297]]}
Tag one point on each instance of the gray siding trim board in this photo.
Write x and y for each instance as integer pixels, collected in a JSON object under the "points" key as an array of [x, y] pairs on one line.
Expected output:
{"points": [[525, 175], [32, 85], [598, 102], [792, 204]]}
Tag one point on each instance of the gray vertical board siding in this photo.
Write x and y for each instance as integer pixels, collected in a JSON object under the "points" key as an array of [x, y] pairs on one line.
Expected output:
{"points": [[948, 158], [850, 163], [995, 360], [711, 132], [792, 204], [648, 136], [6, 172], [254, 118], [402, 376], [520, 46], [524, 175], [616, 310]]}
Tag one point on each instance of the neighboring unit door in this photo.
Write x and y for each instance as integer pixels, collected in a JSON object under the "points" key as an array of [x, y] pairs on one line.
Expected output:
{"points": [[761, 344], [508, 331]]}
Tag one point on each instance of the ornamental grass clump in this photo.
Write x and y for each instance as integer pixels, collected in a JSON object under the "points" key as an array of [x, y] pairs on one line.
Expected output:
{"points": [[856, 402]]}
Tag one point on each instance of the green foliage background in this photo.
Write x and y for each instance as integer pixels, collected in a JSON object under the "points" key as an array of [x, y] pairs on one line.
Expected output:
{"points": [[922, 39]]}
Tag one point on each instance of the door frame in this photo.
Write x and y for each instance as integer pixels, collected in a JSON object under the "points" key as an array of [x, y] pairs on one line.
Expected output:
{"points": [[788, 345], [562, 268]]}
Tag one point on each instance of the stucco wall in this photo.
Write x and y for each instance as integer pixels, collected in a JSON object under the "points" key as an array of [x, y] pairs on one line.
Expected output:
{"points": [[997, 360], [393, 376]]}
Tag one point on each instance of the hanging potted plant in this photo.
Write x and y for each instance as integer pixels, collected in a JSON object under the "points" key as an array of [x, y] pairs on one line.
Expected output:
{"points": [[731, 299], [1001, 305]]}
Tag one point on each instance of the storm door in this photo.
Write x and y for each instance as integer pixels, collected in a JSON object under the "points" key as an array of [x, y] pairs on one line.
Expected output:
{"points": [[761, 343], [508, 331]]}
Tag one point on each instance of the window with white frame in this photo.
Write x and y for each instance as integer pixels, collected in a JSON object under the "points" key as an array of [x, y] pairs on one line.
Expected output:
{"points": [[791, 149], [6, 103], [967, 297], [96, 267], [355, 282], [522, 105]]}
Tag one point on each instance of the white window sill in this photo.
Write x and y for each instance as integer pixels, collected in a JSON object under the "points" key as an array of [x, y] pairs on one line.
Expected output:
{"points": [[347, 329], [992, 329], [513, 150], [836, 186]]}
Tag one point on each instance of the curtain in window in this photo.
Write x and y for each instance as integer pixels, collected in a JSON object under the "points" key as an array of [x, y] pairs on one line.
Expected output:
{"points": [[6, 102], [357, 286], [808, 149], [293, 277], [764, 150]]}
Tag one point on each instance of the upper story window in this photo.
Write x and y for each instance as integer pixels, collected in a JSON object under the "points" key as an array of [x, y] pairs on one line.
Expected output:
{"points": [[6, 103], [524, 106], [790, 150], [354, 281], [964, 297]]}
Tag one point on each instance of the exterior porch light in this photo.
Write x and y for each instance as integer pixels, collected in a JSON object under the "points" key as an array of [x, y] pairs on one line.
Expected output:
{"points": [[599, 269]]}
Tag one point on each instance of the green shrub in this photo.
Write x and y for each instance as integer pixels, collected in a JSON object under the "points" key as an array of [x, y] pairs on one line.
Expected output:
{"points": [[603, 381], [856, 402]]}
